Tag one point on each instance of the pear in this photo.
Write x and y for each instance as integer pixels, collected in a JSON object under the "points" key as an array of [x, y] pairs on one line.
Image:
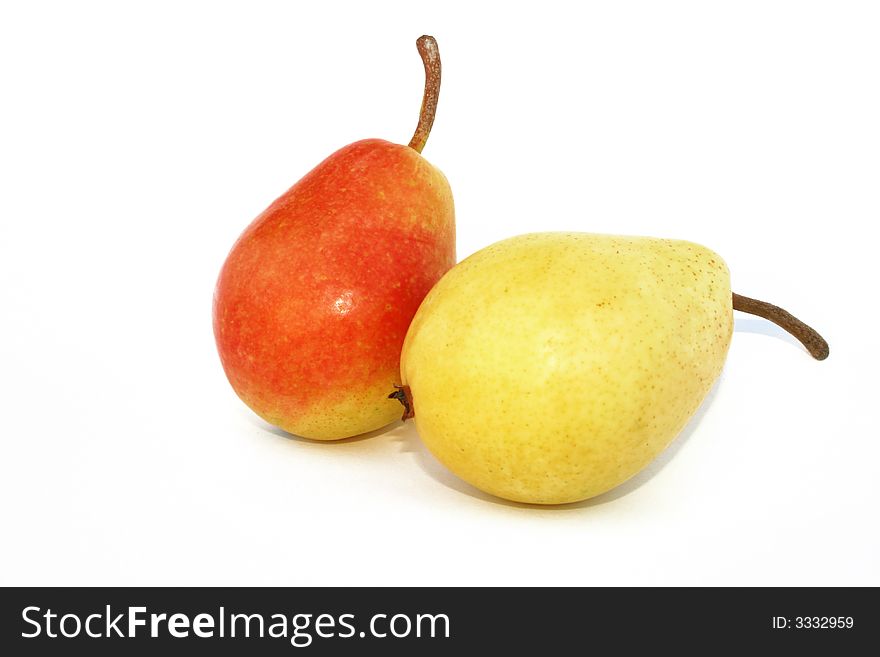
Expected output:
{"points": [[315, 297], [551, 367]]}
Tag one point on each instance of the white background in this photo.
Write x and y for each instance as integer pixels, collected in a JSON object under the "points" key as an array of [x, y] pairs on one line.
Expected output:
{"points": [[137, 140]]}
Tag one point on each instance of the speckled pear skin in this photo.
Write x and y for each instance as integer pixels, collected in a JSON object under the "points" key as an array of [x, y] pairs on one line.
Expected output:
{"points": [[551, 367]]}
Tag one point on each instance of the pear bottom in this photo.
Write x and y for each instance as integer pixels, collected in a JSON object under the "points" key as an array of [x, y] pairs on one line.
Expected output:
{"points": [[550, 368]]}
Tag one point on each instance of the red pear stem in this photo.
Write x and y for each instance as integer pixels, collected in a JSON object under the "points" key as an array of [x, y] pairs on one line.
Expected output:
{"points": [[404, 395], [807, 336], [427, 46]]}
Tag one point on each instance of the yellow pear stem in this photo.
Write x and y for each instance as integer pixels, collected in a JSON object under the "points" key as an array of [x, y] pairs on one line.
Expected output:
{"points": [[807, 336], [427, 46]]}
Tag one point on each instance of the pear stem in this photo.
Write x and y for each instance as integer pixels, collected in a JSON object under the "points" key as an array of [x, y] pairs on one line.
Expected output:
{"points": [[427, 46], [404, 395], [807, 336]]}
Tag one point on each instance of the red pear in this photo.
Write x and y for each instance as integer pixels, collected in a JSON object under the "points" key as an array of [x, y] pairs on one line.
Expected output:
{"points": [[316, 296]]}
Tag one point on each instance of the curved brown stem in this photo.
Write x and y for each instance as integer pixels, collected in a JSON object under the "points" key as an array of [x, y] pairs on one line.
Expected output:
{"points": [[807, 336], [404, 396], [427, 46]]}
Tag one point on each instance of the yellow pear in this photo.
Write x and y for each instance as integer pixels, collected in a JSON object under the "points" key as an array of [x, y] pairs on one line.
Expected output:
{"points": [[551, 367]]}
